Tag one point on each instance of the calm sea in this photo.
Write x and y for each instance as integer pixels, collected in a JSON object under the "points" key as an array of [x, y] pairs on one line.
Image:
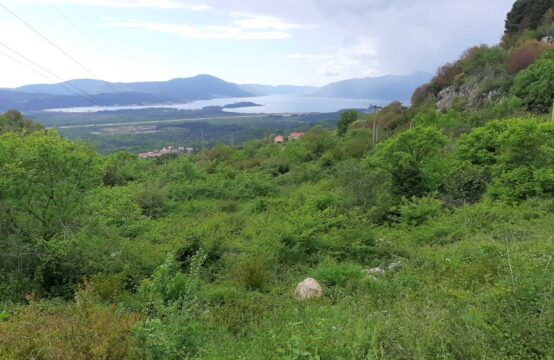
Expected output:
{"points": [[274, 104]]}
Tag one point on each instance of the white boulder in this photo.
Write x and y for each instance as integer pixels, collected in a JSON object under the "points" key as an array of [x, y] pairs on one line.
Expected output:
{"points": [[308, 289]]}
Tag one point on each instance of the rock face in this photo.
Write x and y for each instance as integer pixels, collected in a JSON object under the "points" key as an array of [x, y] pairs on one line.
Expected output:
{"points": [[472, 95], [377, 272], [308, 289]]}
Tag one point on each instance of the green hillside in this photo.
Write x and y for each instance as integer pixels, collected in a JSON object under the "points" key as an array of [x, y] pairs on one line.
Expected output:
{"points": [[429, 230], [515, 74]]}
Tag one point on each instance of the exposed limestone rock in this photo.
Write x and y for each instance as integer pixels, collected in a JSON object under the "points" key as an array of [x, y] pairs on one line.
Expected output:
{"points": [[308, 289], [472, 95], [394, 266], [375, 271]]}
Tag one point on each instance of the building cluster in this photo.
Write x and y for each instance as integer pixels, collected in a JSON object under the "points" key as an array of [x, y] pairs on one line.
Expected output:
{"points": [[165, 151], [280, 139]]}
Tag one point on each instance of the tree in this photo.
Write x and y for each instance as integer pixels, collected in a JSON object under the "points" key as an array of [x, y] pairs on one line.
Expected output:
{"points": [[413, 159], [524, 56], [43, 179], [14, 121], [518, 154], [527, 14], [535, 85], [346, 118]]}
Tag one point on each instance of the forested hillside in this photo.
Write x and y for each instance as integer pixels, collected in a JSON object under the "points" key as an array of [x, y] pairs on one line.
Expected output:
{"points": [[516, 73], [429, 229]]}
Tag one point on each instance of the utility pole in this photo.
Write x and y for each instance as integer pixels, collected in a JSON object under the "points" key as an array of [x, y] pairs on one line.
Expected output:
{"points": [[374, 127], [552, 110]]}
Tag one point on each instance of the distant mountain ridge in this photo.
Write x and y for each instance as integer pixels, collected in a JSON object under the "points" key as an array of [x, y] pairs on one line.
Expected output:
{"points": [[262, 90], [90, 92], [200, 87], [389, 87]]}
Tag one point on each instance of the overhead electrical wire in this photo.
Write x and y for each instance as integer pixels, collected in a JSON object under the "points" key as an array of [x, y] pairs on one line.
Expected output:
{"points": [[90, 40], [57, 47], [51, 75], [50, 42], [23, 64]]}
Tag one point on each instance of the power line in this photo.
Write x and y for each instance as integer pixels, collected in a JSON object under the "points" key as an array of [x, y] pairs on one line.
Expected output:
{"points": [[66, 85], [90, 40], [45, 38], [50, 42], [24, 65], [40, 73]]}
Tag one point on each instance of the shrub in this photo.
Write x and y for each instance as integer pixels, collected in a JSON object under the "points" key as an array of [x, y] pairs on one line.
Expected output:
{"points": [[445, 77], [420, 96], [219, 294], [414, 160], [14, 121], [393, 116], [170, 304], [466, 183], [119, 169], [481, 58], [524, 56], [417, 211], [338, 274], [535, 85], [364, 186], [346, 118], [526, 14], [318, 141], [253, 273], [517, 154], [83, 330], [152, 199]]}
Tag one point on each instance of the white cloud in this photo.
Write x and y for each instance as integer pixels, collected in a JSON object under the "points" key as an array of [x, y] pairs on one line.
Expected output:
{"points": [[249, 27], [327, 40], [156, 4], [358, 60], [261, 22]]}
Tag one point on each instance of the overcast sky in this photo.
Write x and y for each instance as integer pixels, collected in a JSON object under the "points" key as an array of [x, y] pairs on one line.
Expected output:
{"points": [[303, 42]]}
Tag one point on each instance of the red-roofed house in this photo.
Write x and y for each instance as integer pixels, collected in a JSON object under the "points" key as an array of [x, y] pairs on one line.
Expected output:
{"points": [[295, 136], [279, 139]]}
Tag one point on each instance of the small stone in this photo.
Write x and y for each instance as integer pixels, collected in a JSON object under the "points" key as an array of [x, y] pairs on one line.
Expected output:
{"points": [[375, 271], [308, 289], [394, 266]]}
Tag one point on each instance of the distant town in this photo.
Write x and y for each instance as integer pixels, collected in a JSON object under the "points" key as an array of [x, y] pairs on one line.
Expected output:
{"points": [[165, 151]]}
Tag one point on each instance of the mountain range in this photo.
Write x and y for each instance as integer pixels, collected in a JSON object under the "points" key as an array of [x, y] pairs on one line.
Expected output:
{"points": [[389, 87], [88, 92]]}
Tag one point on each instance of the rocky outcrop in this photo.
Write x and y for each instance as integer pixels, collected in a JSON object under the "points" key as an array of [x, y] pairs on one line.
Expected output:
{"points": [[548, 40], [472, 96], [308, 289], [377, 272]]}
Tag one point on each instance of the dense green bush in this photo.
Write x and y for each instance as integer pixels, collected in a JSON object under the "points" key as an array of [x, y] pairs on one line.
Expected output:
{"points": [[518, 154], [346, 118], [535, 85], [414, 159], [253, 273]]}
